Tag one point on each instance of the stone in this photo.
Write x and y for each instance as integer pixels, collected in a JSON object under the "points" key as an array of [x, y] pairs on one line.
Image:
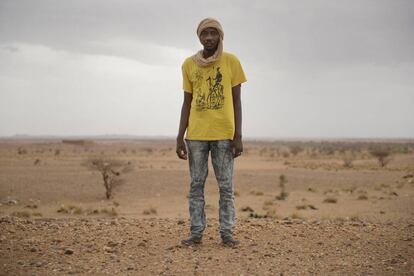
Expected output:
{"points": [[69, 251]]}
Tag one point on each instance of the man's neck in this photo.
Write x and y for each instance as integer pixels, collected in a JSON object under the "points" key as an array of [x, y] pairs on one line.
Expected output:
{"points": [[208, 53]]}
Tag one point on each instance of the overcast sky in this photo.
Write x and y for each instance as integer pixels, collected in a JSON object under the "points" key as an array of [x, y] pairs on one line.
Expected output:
{"points": [[314, 68]]}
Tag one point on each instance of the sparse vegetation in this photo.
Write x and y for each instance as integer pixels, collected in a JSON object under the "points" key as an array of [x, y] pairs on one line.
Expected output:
{"points": [[271, 214], [246, 209], [330, 200], [110, 171], [150, 211], [21, 150], [306, 206], [111, 212], [362, 197], [382, 155], [283, 194], [70, 209], [21, 214], [347, 162], [295, 149], [256, 192]]}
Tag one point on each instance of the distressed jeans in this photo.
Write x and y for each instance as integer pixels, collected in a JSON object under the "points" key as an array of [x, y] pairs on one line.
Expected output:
{"points": [[222, 160]]}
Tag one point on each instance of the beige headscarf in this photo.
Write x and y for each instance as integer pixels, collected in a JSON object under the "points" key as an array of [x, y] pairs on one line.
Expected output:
{"points": [[198, 57]]}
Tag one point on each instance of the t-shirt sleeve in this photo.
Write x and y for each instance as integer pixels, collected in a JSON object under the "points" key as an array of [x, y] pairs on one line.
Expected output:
{"points": [[187, 86], [237, 73]]}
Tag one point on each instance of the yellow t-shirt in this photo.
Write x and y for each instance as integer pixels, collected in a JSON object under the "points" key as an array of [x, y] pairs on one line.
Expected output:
{"points": [[212, 114]]}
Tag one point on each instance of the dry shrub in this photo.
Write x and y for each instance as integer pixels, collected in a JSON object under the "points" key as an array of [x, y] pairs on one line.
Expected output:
{"points": [[150, 211], [382, 155], [256, 192], [91, 211], [148, 150], [246, 209], [347, 162], [295, 149], [306, 206], [110, 171], [256, 215], [283, 194], [70, 209], [330, 200], [271, 214], [110, 212], [21, 150], [362, 197], [57, 152], [36, 162], [286, 154], [78, 142], [236, 193], [350, 190], [296, 215], [21, 214]]}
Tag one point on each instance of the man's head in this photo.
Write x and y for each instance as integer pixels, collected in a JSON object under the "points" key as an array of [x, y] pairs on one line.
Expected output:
{"points": [[210, 38], [210, 33]]}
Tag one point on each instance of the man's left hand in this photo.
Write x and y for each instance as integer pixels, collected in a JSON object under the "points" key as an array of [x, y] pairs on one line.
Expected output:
{"points": [[237, 147]]}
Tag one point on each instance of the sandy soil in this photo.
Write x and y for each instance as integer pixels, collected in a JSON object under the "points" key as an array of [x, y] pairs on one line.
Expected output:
{"points": [[335, 220]]}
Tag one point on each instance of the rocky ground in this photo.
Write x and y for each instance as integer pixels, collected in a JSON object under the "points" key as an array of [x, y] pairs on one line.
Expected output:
{"points": [[314, 208], [125, 246]]}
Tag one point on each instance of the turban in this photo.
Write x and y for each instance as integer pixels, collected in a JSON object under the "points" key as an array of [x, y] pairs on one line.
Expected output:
{"points": [[198, 57]]}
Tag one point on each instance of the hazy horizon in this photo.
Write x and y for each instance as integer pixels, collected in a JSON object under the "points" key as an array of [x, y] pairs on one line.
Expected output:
{"points": [[317, 69]]}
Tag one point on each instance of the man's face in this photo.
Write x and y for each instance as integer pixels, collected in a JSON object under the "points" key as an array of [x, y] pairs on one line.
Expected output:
{"points": [[209, 38]]}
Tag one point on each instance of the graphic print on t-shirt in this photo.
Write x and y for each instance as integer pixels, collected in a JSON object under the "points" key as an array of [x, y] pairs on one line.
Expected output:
{"points": [[215, 97]]}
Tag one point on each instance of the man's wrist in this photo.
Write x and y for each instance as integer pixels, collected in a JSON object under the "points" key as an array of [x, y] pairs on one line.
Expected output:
{"points": [[237, 136]]}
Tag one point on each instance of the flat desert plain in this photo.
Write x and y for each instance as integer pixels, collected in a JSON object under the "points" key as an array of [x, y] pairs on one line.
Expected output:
{"points": [[303, 208]]}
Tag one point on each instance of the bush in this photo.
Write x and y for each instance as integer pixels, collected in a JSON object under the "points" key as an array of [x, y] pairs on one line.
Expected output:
{"points": [[110, 171], [330, 200], [381, 155], [283, 194]]}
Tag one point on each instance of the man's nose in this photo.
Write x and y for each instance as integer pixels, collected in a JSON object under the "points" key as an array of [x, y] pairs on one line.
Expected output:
{"points": [[209, 37]]}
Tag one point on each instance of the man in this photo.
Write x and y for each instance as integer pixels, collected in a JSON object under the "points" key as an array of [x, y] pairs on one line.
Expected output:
{"points": [[212, 116]]}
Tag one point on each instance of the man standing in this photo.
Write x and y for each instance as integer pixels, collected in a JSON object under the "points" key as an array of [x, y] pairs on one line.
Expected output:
{"points": [[212, 116]]}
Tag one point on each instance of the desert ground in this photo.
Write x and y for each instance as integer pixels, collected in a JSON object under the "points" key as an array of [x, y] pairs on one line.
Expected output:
{"points": [[303, 208]]}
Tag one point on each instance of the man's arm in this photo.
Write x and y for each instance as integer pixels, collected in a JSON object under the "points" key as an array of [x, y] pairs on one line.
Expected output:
{"points": [[185, 113], [237, 139]]}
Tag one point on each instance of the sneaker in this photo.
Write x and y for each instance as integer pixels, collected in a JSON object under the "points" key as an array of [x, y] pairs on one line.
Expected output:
{"points": [[192, 241], [230, 242]]}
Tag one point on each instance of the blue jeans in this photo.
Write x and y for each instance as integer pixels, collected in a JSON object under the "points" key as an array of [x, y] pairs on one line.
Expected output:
{"points": [[222, 159]]}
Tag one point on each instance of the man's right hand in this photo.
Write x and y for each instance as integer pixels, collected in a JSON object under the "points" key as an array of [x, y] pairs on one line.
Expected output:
{"points": [[181, 150]]}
